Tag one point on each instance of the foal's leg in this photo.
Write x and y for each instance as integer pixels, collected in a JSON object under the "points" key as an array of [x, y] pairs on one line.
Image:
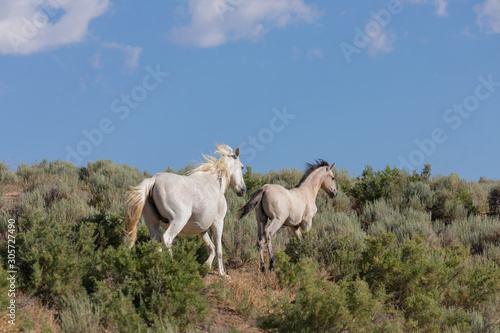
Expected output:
{"points": [[261, 222], [295, 231], [271, 229], [205, 237]]}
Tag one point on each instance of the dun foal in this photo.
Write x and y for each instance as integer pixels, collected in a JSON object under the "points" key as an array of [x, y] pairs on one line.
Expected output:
{"points": [[294, 208]]}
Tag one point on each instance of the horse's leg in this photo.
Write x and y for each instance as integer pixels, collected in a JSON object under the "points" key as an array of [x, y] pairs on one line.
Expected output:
{"points": [[205, 237], [217, 233], [295, 231], [175, 226], [152, 220], [271, 229], [261, 222]]}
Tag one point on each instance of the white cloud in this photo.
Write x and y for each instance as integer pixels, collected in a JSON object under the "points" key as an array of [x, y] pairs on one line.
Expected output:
{"points": [[441, 6], [488, 16], [315, 54], [96, 61], [441, 10], [216, 22], [132, 54], [383, 42], [467, 32], [29, 26]]}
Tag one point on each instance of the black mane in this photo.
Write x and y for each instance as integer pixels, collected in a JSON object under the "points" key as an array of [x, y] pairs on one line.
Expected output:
{"points": [[310, 167]]}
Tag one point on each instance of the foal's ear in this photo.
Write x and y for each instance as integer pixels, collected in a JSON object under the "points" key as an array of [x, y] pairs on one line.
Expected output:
{"points": [[237, 152], [331, 166]]}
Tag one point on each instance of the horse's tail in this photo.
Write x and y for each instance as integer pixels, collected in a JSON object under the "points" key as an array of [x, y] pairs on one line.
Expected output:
{"points": [[135, 203], [254, 200]]}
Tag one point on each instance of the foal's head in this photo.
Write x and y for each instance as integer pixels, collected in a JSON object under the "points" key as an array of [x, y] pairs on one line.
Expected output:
{"points": [[328, 183]]}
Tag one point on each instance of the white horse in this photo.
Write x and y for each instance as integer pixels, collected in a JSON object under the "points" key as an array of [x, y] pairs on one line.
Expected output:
{"points": [[188, 205]]}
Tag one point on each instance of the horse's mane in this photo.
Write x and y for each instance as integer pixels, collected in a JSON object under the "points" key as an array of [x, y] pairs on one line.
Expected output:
{"points": [[216, 165], [310, 167]]}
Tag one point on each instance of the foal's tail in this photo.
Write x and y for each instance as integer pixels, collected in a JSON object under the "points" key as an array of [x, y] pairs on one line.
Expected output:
{"points": [[254, 200], [135, 203]]}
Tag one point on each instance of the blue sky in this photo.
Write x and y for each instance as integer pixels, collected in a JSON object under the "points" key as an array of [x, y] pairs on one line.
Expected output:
{"points": [[156, 83]]}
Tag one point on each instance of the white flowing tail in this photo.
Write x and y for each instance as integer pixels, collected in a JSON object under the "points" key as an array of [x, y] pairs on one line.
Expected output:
{"points": [[135, 204]]}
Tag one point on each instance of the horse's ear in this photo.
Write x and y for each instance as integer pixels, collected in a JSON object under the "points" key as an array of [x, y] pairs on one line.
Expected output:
{"points": [[237, 152], [331, 166]]}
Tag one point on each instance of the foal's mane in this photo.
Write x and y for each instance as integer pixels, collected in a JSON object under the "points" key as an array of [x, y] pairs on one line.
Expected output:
{"points": [[310, 167], [216, 165]]}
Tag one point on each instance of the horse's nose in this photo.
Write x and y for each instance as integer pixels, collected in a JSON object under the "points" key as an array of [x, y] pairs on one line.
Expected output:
{"points": [[333, 194], [242, 192]]}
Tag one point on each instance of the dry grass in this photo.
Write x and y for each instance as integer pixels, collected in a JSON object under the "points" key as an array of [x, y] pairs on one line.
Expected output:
{"points": [[237, 302], [31, 316]]}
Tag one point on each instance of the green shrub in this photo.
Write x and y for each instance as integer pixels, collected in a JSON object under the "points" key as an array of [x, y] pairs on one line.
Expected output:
{"points": [[285, 177], [407, 224], [389, 184], [7, 176], [446, 208], [343, 225], [131, 289], [239, 245], [342, 203], [342, 258], [72, 254], [55, 258], [253, 181], [45, 172], [322, 306], [425, 281], [4, 286], [452, 199], [475, 232], [110, 230], [419, 196], [162, 288], [492, 252], [108, 184], [339, 255], [494, 201], [80, 315], [69, 210], [377, 211]]}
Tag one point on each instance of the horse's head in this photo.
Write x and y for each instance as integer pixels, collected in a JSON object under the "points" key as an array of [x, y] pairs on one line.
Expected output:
{"points": [[328, 184], [235, 168]]}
